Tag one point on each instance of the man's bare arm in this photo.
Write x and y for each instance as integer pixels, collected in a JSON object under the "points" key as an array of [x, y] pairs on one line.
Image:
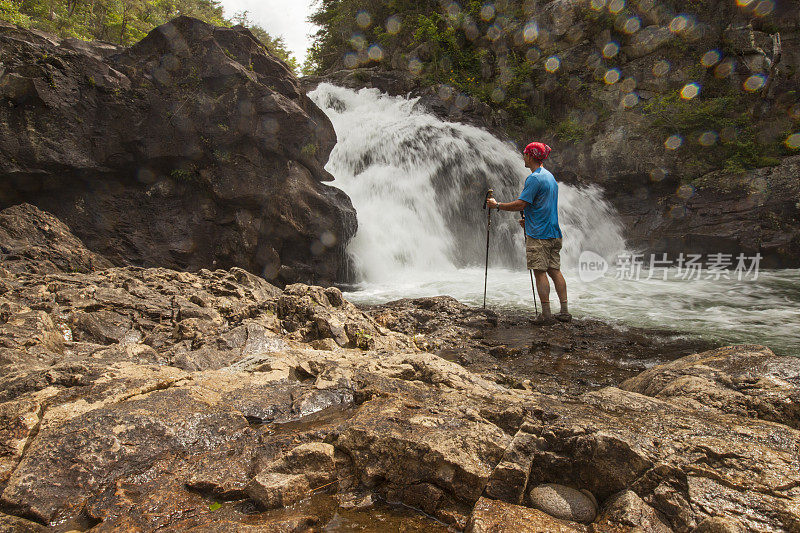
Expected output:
{"points": [[516, 205]]}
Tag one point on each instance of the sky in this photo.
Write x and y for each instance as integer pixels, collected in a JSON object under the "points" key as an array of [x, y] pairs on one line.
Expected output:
{"points": [[279, 17]]}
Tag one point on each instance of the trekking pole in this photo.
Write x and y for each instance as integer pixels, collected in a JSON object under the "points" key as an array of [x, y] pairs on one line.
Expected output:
{"points": [[489, 194], [525, 245]]}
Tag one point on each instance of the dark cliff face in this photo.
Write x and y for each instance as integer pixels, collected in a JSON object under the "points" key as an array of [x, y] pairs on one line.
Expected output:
{"points": [[194, 148], [610, 98]]}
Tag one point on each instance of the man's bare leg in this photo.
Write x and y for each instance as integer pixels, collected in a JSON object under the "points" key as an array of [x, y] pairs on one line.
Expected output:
{"points": [[543, 288], [561, 289]]}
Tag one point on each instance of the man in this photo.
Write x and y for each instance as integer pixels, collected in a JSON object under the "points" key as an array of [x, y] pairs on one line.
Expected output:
{"points": [[539, 204]]}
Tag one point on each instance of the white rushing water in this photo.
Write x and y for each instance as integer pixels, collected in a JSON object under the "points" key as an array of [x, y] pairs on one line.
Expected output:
{"points": [[418, 184]]}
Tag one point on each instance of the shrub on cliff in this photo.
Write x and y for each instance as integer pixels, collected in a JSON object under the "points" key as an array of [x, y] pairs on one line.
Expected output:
{"points": [[735, 148]]}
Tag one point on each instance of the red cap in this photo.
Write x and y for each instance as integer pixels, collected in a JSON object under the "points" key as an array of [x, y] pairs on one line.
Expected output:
{"points": [[540, 151]]}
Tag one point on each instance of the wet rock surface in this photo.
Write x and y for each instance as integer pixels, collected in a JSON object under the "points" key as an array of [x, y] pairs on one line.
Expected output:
{"points": [[562, 359], [194, 148], [139, 399]]}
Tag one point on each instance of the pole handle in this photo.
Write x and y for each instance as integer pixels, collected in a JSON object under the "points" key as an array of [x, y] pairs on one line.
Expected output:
{"points": [[489, 194]]}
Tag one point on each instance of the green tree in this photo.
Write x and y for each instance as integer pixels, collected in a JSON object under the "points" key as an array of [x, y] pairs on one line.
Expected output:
{"points": [[126, 21], [276, 45]]}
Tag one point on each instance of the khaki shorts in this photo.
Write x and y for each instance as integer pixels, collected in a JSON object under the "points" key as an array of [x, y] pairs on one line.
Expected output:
{"points": [[543, 254]]}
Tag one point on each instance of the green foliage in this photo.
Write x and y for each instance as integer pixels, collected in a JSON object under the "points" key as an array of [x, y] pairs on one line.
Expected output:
{"points": [[276, 45], [677, 115], [180, 174], [126, 21], [309, 150], [570, 130], [10, 11], [117, 21], [362, 339], [448, 43], [452, 61], [482, 49], [338, 26], [688, 118]]}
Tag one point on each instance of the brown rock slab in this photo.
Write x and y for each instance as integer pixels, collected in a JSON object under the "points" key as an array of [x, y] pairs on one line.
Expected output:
{"points": [[314, 459], [626, 508], [510, 477], [720, 524], [749, 381], [312, 313], [273, 489], [16, 524], [401, 446], [494, 516], [19, 421]]}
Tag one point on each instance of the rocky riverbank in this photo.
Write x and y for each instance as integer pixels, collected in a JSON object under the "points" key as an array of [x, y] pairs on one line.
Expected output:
{"points": [[562, 359], [145, 399]]}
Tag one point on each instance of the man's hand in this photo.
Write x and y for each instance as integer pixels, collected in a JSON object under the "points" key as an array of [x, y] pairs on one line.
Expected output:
{"points": [[522, 222], [491, 203]]}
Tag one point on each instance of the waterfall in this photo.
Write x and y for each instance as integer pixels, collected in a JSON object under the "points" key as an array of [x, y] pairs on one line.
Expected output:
{"points": [[418, 184]]}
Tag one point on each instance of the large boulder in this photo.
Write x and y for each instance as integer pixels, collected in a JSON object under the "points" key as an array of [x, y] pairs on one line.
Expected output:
{"points": [[194, 148], [744, 380], [34, 241]]}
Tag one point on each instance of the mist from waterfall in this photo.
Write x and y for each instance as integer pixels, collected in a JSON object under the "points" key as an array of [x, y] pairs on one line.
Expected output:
{"points": [[418, 184]]}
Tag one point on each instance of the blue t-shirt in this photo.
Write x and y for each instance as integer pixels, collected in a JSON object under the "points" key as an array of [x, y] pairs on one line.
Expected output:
{"points": [[541, 213]]}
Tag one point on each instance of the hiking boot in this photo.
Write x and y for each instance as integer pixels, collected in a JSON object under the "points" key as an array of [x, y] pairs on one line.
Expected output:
{"points": [[564, 317], [542, 320]]}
